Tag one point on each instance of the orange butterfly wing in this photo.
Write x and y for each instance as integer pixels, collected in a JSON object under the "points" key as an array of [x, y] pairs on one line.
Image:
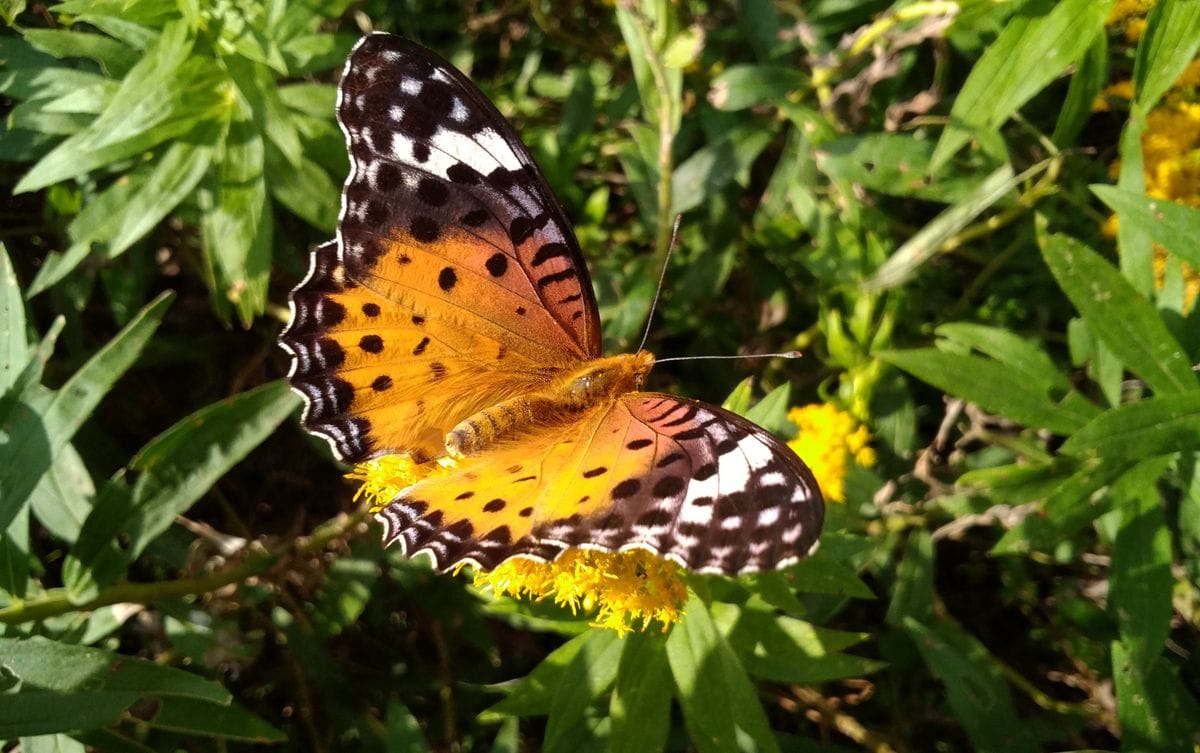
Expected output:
{"points": [[455, 280], [688, 481]]}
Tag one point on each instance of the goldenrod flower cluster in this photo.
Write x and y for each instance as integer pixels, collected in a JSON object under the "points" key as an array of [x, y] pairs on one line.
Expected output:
{"points": [[829, 439], [627, 589], [1171, 141], [1129, 17], [383, 478]]}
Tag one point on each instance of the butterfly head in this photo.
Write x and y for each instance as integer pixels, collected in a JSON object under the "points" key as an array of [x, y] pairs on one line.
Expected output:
{"points": [[643, 361]]}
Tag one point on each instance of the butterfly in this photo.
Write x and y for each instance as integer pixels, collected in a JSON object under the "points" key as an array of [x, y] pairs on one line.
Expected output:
{"points": [[453, 316]]}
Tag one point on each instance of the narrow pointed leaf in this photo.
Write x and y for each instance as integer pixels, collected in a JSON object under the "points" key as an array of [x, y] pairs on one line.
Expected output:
{"points": [[1127, 323]]}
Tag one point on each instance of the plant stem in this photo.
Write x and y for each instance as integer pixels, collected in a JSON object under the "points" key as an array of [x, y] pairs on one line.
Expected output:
{"points": [[666, 139], [58, 601]]}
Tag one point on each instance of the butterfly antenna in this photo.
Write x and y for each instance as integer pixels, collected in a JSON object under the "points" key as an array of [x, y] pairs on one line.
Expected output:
{"points": [[662, 275], [784, 354]]}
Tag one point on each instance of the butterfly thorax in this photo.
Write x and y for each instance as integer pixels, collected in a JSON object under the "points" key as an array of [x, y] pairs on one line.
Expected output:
{"points": [[603, 378], [595, 382]]}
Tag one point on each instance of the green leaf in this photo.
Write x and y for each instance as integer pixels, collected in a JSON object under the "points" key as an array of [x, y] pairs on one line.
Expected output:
{"points": [[307, 193], [1089, 79], [684, 48], [739, 400], [47, 713], [508, 738], [927, 242], [771, 412], [1174, 226], [1125, 321], [640, 25], [238, 228], [1154, 426], [974, 686], [10, 9], [256, 86], [316, 53], [29, 74], [640, 708], [49, 418], [143, 203], [759, 24], [785, 649], [64, 688], [894, 164], [638, 157], [15, 560], [1167, 47], [1041, 41], [1139, 593], [1028, 361], [974, 379], [1133, 245], [343, 594], [14, 343], [51, 744], [315, 100], [1072, 504], [534, 693], [116, 58], [402, 730], [164, 96], [712, 166], [589, 674], [46, 665], [111, 742], [121, 19], [174, 470], [913, 596], [1102, 366], [230, 721], [742, 86], [1156, 711], [720, 707], [823, 574]]}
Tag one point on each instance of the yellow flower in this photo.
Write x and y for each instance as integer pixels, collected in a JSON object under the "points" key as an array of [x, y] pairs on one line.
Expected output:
{"points": [[385, 477], [627, 589], [1170, 142], [1171, 164], [1129, 15], [1119, 90], [828, 441]]}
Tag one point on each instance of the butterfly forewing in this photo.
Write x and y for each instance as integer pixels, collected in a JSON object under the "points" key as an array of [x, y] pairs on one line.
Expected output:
{"points": [[455, 280], [688, 481], [436, 170]]}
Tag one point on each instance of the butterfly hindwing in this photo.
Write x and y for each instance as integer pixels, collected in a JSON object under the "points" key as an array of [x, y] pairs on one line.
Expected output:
{"points": [[686, 480]]}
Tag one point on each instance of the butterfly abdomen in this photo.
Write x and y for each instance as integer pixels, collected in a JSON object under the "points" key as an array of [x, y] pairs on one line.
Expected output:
{"points": [[596, 382]]}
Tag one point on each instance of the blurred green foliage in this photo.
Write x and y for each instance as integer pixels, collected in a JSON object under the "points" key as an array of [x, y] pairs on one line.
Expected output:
{"points": [[912, 193]]}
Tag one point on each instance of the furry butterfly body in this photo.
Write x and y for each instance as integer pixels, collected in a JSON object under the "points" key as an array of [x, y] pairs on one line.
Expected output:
{"points": [[454, 315]]}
